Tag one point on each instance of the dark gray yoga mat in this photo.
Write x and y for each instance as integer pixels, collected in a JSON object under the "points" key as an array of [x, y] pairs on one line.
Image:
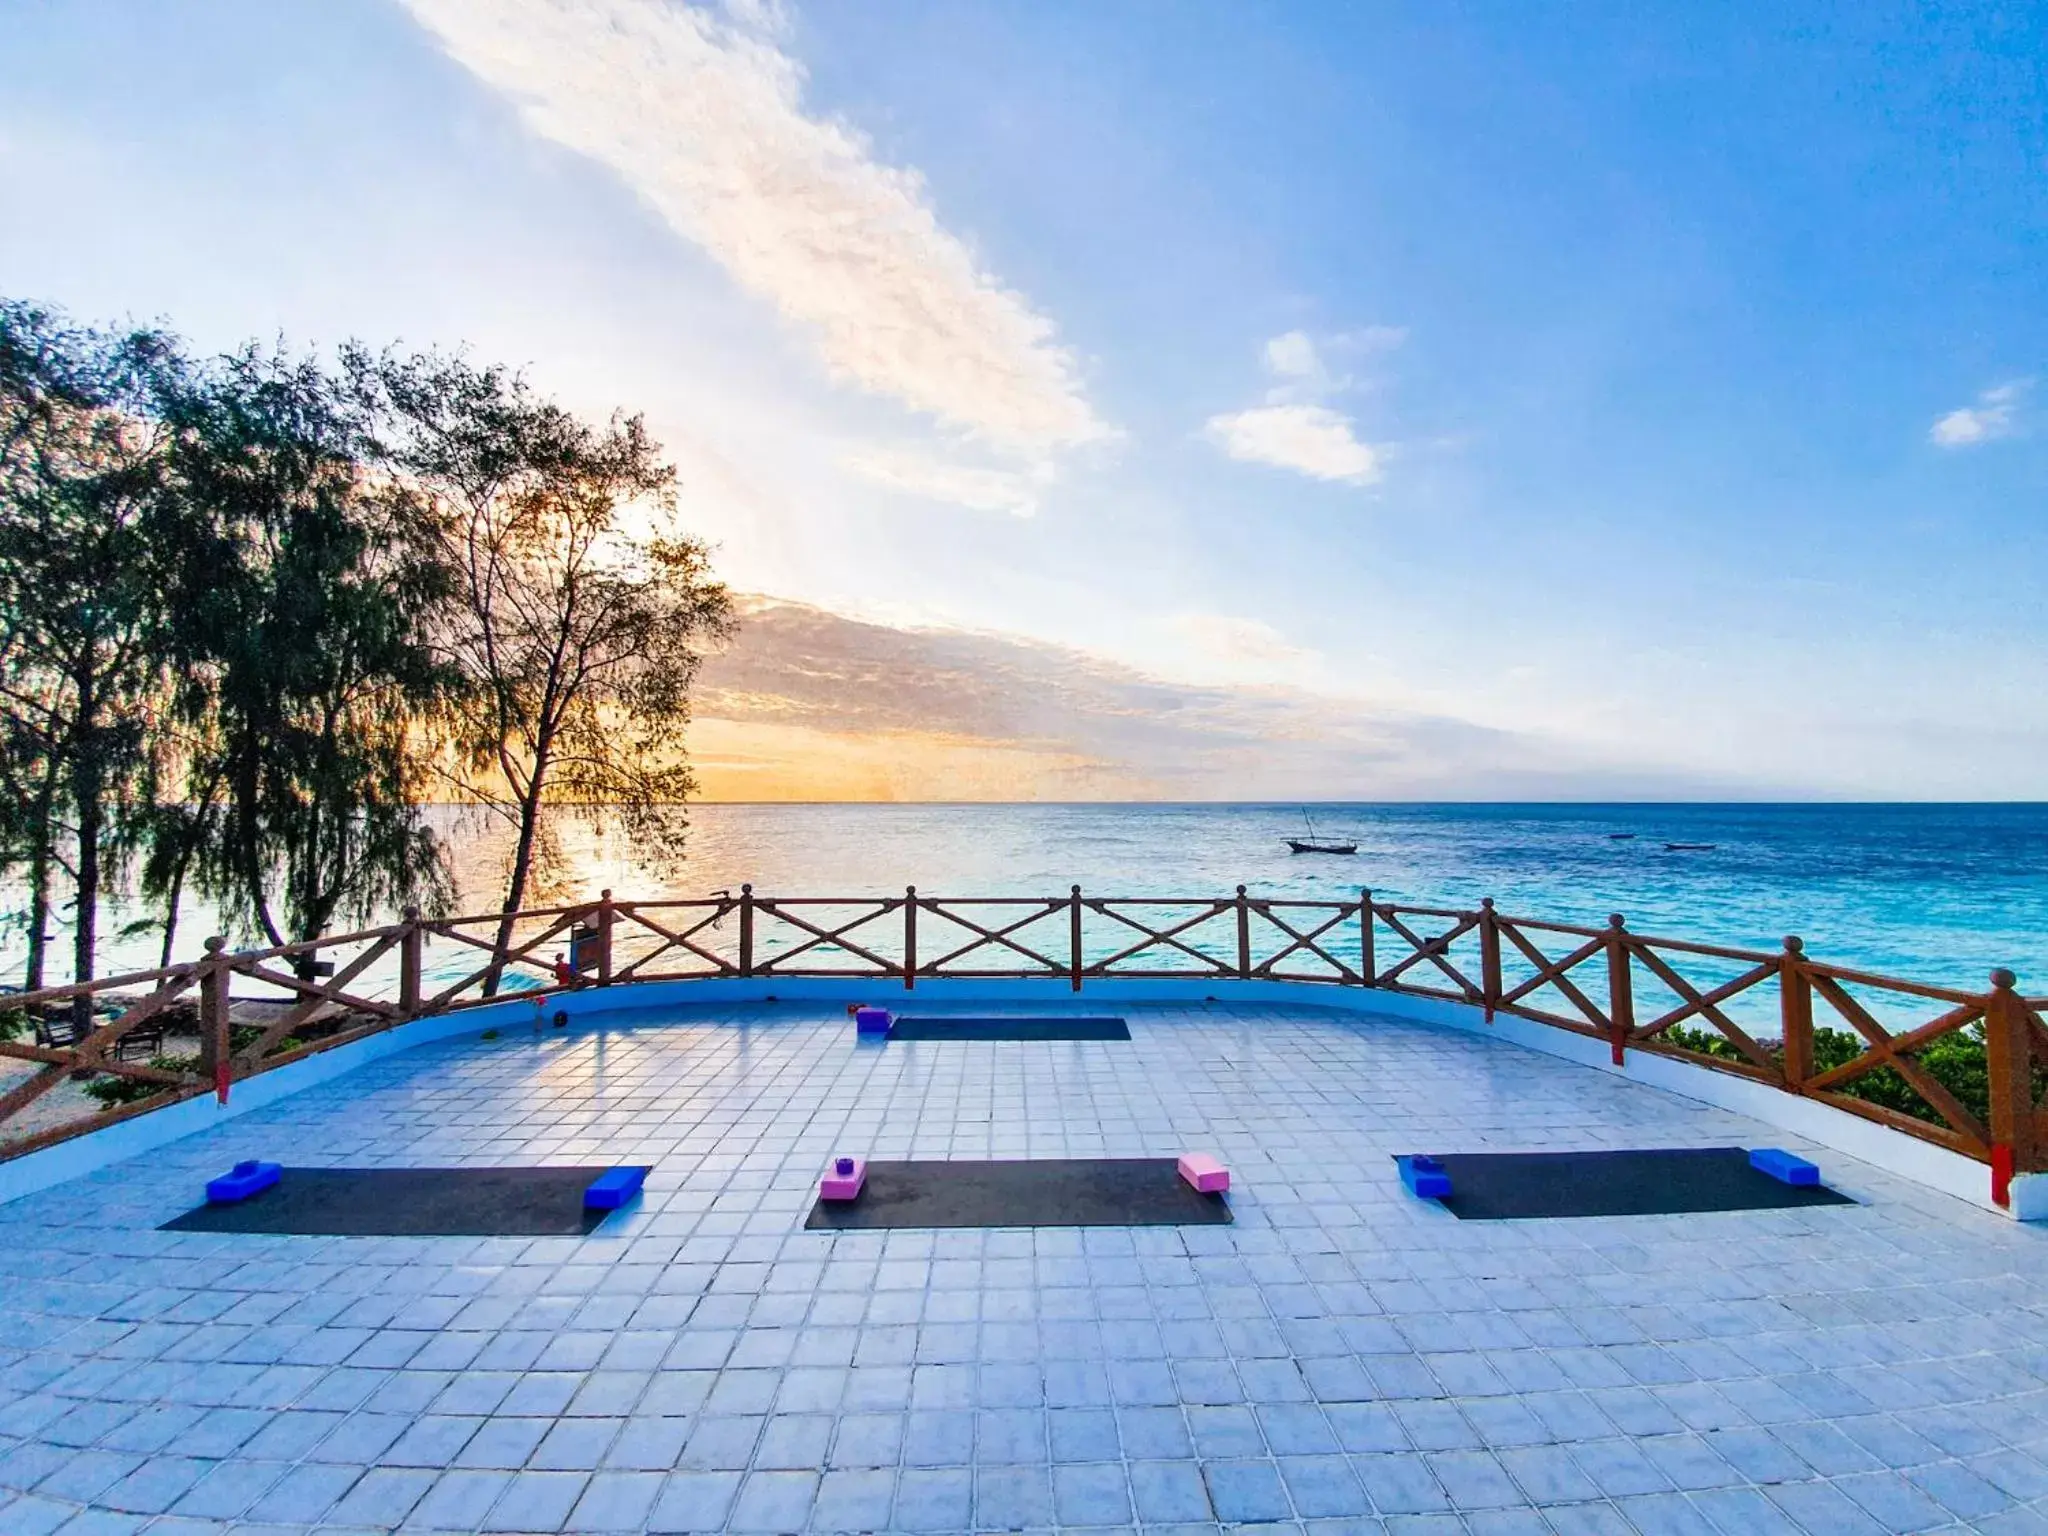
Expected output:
{"points": [[410, 1202], [1052, 1027], [1669, 1181], [1094, 1192]]}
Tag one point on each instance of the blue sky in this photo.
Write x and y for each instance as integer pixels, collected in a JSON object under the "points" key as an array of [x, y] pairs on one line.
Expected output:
{"points": [[1291, 400]]}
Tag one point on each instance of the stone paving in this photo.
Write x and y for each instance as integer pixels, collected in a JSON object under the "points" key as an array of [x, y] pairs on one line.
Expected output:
{"points": [[1342, 1359]]}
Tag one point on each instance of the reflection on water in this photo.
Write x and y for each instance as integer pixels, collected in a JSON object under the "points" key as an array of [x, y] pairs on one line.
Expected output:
{"points": [[1940, 893]]}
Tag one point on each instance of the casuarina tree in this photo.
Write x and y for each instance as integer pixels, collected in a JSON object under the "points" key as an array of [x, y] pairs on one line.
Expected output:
{"points": [[313, 585], [581, 615], [87, 526]]}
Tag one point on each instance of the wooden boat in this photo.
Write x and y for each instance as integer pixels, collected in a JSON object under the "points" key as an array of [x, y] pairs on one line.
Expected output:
{"points": [[1315, 844]]}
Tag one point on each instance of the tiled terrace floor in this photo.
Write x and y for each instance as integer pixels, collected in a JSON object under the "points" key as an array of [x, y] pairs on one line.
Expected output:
{"points": [[1341, 1359]]}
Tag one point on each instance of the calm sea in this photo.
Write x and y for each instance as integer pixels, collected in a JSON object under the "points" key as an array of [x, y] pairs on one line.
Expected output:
{"points": [[1931, 892]]}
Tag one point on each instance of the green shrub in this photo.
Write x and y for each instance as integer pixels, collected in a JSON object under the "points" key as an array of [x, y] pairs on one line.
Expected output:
{"points": [[114, 1092], [1956, 1061]]}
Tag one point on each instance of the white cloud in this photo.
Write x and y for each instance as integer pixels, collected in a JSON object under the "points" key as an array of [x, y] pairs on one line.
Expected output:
{"points": [[1310, 439], [1120, 733], [1293, 356], [702, 115], [1293, 429], [1229, 638], [964, 485], [1222, 647], [1991, 417]]}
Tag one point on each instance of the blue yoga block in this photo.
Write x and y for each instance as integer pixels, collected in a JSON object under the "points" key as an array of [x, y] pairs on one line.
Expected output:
{"points": [[613, 1188], [871, 1021], [1424, 1176], [243, 1180], [1783, 1165]]}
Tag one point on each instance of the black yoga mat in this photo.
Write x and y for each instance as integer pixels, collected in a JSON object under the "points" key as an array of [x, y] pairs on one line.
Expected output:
{"points": [[1097, 1192], [1051, 1028], [1496, 1186], [410, 1202]]}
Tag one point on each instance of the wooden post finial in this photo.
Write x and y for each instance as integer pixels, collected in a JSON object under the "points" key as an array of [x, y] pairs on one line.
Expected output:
{"points": [[2009, 1063]]}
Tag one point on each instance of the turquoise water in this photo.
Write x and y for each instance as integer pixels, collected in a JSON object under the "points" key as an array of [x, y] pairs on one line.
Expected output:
{"points": [[1930, 892], [1927, 892]]}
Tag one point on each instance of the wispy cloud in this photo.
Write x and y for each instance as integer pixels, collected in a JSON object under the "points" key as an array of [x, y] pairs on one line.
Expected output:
{"points": [[1226, 637], [963, 714], [1228, 648], [965, 485], [1310, 439], [1294, 429], [702, 114], [1993, 416]]}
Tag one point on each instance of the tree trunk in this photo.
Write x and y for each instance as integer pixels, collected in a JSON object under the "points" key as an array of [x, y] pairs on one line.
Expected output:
{"points": [[171, 900], [522, 868], [39, 878], [86, 785], [247, 784]]}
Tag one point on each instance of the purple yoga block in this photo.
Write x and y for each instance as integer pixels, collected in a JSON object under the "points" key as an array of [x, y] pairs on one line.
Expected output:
{"points": [[871, 1021], [845, 1180]]}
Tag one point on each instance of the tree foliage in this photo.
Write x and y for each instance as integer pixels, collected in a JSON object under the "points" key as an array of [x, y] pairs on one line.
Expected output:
{"points": [[256, 611], [303, 633], [88, 532], [582, 613]]}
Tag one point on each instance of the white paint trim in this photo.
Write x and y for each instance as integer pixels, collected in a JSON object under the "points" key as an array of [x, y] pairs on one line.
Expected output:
{"points": [[1919, 1161], [2030, 1197]]}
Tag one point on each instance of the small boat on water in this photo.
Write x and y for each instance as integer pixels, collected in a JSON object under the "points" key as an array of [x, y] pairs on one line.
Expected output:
{"points": [[1314, 844], [1621, 837], [1689, 847]]}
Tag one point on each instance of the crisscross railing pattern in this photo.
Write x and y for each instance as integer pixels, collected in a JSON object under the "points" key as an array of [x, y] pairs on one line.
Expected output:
{"points": [[1966, 1070]]}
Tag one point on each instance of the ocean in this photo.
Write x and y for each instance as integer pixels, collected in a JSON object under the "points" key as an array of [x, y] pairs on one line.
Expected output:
{"points": [[1935, 893]]}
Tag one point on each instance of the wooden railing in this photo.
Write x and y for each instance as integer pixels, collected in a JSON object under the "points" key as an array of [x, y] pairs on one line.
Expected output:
{"points": [[1965, 1070]]}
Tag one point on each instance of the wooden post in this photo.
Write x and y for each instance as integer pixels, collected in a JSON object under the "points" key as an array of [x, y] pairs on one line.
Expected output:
{"points": [[1795, 1014], [746, 930], [909, 937], [2009, 1055], [409, 965], [1489, 957], [215, 1047], [605, 915], [1621, 998], [1074, 930], [1368, 968], [1244, 937]]}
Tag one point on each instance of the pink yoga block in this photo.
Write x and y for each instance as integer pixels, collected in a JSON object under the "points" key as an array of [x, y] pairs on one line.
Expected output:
{"points": [[844, 1186], [1204, 1172]]}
